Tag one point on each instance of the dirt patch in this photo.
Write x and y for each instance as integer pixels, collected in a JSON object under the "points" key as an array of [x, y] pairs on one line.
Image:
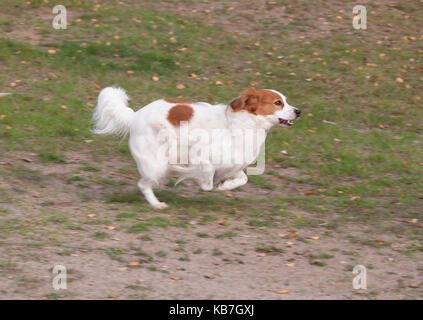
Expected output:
{"points": [[227, 257], [29, 29]]}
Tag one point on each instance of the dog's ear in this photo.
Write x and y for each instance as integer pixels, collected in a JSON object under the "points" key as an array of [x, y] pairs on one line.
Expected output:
{"points": [[247, 101], [236, 104], [250, 100]]}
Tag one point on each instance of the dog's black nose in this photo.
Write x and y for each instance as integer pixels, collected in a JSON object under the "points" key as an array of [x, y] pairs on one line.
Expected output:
{"points": [[297, 112]]}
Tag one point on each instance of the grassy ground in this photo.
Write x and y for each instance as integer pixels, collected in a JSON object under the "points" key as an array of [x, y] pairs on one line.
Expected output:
{"points": [[347, 189]]}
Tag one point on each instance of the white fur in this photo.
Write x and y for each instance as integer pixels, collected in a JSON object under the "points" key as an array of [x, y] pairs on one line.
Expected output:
{"points": [[112, 114], [147, 125]]}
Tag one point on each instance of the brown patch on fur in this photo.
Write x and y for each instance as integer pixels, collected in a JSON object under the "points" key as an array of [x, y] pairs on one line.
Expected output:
{"points": [[178, 101], [178, 113], [258, 102]]}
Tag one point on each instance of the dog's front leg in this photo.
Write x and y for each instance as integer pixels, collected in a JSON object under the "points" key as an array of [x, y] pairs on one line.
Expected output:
{"points": [[238, 180]]}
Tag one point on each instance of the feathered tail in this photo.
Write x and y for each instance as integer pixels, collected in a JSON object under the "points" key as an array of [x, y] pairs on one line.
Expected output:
{"points": [[112, 114]]}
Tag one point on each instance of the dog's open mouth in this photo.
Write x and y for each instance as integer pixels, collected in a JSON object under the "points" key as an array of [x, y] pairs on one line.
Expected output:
{"points": [[286, 122]]}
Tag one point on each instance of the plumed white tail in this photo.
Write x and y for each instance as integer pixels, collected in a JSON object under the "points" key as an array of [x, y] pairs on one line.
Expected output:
{"points": [[112, 114]]}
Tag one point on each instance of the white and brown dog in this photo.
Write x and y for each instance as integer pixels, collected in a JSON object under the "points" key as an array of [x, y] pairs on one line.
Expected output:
{"points": [[158, 130]]}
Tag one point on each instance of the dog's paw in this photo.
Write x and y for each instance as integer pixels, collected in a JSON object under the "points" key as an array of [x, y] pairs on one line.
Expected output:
{"points": [[160, 206], [222, 186], [207, 186]]}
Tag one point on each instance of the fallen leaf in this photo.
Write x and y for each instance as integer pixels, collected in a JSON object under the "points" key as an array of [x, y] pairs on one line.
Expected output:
{"points": [[92, 215], [180, 86], [261, 254], [110, 228], [133, 264], [313, 237], [176, 278], [280, 291], [155, 78]]}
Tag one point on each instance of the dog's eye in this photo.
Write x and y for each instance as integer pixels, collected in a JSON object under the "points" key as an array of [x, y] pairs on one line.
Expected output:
{"points": [[278, 103]]}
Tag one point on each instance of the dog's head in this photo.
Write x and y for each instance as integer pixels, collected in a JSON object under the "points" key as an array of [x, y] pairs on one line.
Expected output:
{"points": [[270, 105]]}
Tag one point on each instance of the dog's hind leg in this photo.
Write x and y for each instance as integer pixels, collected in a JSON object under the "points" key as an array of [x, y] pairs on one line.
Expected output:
{"points": [[207, 174], [147, 190], [238, 180]]}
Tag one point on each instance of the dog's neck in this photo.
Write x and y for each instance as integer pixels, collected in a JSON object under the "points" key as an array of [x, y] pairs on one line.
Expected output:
{"points": [[240, 123], [245, 120]]}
